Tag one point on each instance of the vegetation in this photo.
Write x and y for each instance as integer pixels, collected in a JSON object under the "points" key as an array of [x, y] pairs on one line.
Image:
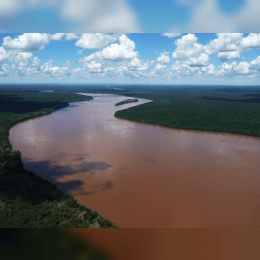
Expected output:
{"points": [[126, 101], [49, 244], [27, 200], [205, 109], [30, 201]]}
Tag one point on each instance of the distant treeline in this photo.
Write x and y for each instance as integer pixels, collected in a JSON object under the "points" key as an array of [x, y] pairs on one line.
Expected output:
{"points": [[28, 200]]}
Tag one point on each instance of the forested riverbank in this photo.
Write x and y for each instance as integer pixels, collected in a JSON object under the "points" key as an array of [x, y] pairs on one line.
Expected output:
{"points": [[27, 200], [226, 110]]}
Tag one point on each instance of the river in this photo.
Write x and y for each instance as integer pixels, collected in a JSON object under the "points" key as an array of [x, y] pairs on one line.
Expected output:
{"points": [[143, 176]]}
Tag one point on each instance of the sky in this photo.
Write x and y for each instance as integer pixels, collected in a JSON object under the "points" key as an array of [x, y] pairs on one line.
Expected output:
{"points": [[130, 16], [130, 58]]}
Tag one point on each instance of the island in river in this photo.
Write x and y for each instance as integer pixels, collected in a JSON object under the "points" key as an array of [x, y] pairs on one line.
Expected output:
{"points": [[126, 101]]}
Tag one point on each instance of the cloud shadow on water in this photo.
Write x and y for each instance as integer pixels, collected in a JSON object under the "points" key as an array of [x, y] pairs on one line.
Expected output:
{"points": [[48, 171]]}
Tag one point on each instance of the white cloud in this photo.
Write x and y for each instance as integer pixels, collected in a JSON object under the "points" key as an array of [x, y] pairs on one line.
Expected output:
{"points": [[225, 42], [27, 42], [22, 60], [4, 69], [163, 58], [210, 70], [57, 36], [115, 52], [93, 66], [136, 65], [230, 45], [71, 36], [227, 69], [251, 41], [55, 71], [35, 68], [228, 55], [171, 35], [67, 63], [255, 64], [190, 52], [95, 40], [242, 68], [3, 54]]}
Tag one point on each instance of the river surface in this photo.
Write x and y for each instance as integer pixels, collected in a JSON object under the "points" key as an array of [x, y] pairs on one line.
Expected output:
{"points": [[143, 176]]}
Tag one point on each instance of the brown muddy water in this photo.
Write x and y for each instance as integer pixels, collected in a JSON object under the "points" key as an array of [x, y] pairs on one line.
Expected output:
{"points": [[144, 176]]}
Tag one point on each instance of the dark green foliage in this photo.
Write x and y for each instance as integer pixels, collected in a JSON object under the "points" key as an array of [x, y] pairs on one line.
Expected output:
{"points": [[198, 109], [27, 200], [105, 223], [48, 244]]}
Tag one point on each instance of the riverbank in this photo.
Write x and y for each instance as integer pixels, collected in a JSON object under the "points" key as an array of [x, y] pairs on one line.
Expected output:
{"points": [[204, 109], [27, 200], [174, 106]]}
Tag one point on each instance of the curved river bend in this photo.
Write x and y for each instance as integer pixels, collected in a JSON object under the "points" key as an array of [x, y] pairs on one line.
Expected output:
{"points": [[143, 176]]}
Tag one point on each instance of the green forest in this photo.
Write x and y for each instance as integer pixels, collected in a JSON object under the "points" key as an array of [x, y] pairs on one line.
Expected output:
{"points": [[215, 109], [27, 200]]}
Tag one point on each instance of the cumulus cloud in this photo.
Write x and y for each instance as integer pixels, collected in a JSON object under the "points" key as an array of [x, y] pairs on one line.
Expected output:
{"points": [[255, 64], [159, 70], [171, 35], [95, 41], [35, 68], [4, 69], [34, 41], [54, 71], [27, 42], [71, 36], [163, 58], [3, 55], [67, 63], [22, 60], [190, 52], [228, 55], [225, 42], [251, 41], [57, 36], [115, 52], [230, 45], [136, 64], [93, 66]]}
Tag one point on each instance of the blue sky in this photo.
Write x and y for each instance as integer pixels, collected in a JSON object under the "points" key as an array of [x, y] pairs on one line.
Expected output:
{"points": [[129, 16], [130, 58]]}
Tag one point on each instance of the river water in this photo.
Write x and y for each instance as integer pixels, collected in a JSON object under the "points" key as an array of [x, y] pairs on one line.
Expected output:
{"points": [[143, 176]]}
